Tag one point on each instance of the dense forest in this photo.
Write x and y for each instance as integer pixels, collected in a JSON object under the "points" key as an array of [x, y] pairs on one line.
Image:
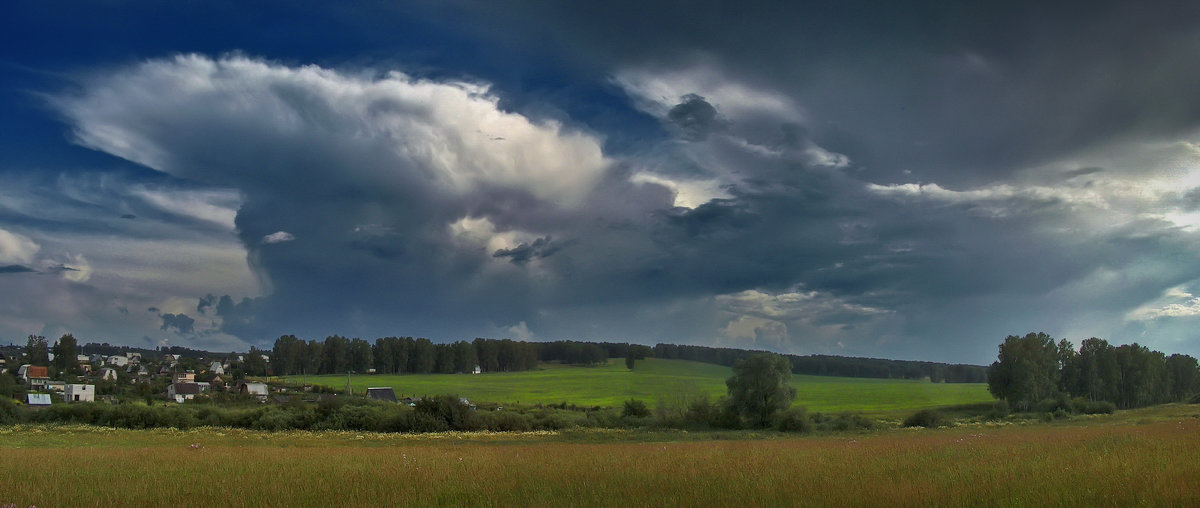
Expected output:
{"points": [[408, 355], [826, 365], [1034, 370]]}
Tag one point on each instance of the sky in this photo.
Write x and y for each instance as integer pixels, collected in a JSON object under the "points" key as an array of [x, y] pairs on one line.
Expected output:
{"points": [[906, 180]]}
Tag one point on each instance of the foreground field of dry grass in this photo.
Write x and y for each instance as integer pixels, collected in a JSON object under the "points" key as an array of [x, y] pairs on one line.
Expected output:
{"points": [[1148, 457]]}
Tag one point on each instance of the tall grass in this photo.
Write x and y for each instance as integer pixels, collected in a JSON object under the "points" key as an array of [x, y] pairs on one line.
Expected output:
{"points": [[1124, 461]]}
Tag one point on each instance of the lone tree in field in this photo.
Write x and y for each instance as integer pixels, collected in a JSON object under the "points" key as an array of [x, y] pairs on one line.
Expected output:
{"points": [[1026, 370], [759, 388]]}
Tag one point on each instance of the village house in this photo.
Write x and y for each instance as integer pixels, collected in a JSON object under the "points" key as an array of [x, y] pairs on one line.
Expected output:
{"points": [[37, 399], [184, 377], [35, 376], [252, 388], [385, 393], [216, 368], [108, 374], [180, 392], [117, 361], [80, 393]]}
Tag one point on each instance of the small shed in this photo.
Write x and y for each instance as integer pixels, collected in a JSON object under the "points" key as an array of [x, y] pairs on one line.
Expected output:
{"points": [[384, 393]]}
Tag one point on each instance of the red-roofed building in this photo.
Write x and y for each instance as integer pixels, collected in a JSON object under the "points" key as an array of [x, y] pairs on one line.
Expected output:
{"points": [[35, 375]]}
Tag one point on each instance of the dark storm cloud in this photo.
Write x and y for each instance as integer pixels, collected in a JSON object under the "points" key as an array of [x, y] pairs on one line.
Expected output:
{"points": [[16, 269], [920, 86], [206, 302], [525, 252], [695, 118], [408, 216], [181, 323], [1083, 171]]}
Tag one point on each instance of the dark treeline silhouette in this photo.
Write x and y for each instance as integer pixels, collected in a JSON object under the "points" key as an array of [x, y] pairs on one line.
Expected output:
{"points": [[827, 365], [1032, 370], [408, 355], [399, 355]]}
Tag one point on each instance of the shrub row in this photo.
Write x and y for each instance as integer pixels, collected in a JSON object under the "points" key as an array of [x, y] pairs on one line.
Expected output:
{"points": [[431, 415]]}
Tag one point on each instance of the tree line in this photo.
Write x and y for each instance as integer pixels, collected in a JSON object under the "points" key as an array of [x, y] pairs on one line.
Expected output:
{"points": [[829, 365], [1034, 368], [399, 355]]}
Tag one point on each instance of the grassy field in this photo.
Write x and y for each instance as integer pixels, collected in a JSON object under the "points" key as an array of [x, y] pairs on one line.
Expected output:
{"points": [[1146, 457], [674, 381]]}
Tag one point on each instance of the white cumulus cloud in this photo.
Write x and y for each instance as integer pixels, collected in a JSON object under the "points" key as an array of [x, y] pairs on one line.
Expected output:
{"points": [[278, 237], [16, 248]]}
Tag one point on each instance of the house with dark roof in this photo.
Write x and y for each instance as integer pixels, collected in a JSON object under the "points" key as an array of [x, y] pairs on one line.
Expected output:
{"points": [[385, 393]]}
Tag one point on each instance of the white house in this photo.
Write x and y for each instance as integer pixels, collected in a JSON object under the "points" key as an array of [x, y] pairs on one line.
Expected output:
{"points": [[38, 399], [108, 374], [216, 368], [80, 393], [180, 392], [118, 360], [252, 388]]}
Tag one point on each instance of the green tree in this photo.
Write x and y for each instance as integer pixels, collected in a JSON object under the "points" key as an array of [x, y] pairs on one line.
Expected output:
{"points": [[36, 352], [1026, 371], [1183, 376], [358, 355], [66, 351], [759, 388], [465, 358], [333, 355], [423, 357], [255, 364]]}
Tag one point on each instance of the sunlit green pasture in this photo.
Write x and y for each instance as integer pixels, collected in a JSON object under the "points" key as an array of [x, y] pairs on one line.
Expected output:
{"points": [[1137, 458], [672, 381]]}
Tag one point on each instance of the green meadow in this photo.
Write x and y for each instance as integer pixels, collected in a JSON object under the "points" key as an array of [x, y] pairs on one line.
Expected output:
{"points": [[671, 381]]}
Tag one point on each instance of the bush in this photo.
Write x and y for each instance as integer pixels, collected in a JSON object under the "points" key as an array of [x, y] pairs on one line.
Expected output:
{"points": [[928, 418], [726, 416], [449, 409], [635, 408], [999, 410], [505, 421], [794, 420], [1050, 405], [848, 421], [700, 412], [1094, 407], [8, 411]]}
